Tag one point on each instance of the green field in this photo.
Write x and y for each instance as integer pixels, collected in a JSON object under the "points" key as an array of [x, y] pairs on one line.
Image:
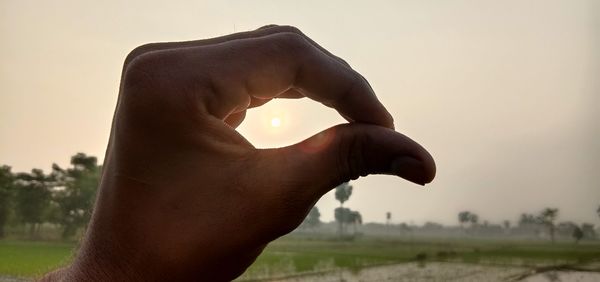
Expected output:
{"points": [[31, 259], [292, 254]]}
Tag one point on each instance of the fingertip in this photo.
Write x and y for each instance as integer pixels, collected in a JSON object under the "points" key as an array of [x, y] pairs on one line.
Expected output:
{"points": [[414, 163], [410, 169], [429, 166], [431, 169]]}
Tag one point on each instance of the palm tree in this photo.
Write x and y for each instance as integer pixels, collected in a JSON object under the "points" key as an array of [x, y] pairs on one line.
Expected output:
{"points": [[547, 217], [342, 194], [355, 219]]}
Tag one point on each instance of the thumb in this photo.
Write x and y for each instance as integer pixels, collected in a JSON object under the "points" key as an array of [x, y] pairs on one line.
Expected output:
{"points": [[347, 151]]}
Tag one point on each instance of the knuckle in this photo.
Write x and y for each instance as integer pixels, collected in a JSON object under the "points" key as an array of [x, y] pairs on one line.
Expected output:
{"points": [[142, 69], [344, 62], [138, 51], [267, 26], [291, 41], [289, 29], [351, 155]]}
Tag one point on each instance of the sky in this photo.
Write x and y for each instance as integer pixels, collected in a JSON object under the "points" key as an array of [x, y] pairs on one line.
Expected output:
{"points": [[504, 94]]}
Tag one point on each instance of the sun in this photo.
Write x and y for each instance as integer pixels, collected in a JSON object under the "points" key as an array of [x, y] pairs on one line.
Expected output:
{"points": [[275, 122]]}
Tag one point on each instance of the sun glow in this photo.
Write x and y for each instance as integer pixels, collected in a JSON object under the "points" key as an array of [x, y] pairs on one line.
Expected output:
{"points": [[275, 122]]}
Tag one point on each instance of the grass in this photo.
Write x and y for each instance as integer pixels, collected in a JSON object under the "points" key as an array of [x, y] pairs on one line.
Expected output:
{"points": [[32, 259], [293, 254]]}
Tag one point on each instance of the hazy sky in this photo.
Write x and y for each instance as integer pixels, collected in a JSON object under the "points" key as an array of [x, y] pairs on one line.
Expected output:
{"points": [[504, 94]]}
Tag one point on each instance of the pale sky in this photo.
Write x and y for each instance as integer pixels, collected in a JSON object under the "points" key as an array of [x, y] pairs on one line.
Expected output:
{"points": [[504, 94]]}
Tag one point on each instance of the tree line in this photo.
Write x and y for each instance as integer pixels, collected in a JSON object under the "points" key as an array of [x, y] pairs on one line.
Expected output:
{"points": [[62, 197], [545, 219]]}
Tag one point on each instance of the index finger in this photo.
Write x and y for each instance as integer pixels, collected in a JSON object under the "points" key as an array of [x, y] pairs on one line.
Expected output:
{"points": [[268, 66]]}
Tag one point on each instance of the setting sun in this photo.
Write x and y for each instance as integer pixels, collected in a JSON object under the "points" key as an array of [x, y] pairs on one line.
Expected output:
{"points": [[275, 122]]}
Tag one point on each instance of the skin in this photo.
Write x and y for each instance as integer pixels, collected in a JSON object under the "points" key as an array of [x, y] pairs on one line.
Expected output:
{"points": [[184, 196]]}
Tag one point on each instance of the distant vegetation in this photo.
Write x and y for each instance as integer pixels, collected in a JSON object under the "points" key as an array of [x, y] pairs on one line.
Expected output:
{"points": [[56, 205], [60, 200]]}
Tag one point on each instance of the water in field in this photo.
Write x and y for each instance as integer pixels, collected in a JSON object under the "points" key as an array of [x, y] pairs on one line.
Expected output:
{"points": [[566, 276], [437, 271]]}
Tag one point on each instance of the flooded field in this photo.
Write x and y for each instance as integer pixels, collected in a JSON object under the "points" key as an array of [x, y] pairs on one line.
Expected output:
{"points": [[291, 259], [566, 276], [441, 271], [367, 259]]}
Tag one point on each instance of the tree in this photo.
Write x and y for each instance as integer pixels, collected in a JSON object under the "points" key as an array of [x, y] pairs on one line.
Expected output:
{"points": [[342, 216], [6, 195], [346, 216], [467, 217], [429, 225], [313, 219], [577, 234], [548, 217], [598, 211], [464, 217], [506, 224], [342, 194], [75, 192], [388, 218], [474, 219], [588, 231], [32, 198], [355, 219], [527, 219]]}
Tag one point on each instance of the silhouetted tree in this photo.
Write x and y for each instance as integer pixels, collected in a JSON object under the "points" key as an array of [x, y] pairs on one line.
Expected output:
{"points": [[313, 219], [342, 194], [32, 198], [506, 224], [577, 234], [342, 216], [388, 218], [75, 193], [588, 231], [528, 219], [467, 217], [548, 217], [429, 225], [474, 219], [6, 195], [355, 219], [464, 217], [347, 216]]}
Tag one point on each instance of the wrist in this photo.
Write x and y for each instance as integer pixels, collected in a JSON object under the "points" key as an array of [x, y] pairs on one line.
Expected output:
{"points": [[101, 259]]}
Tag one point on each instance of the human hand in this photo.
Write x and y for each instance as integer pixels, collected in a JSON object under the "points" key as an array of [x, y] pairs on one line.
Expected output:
{"points": [[184, 196]]}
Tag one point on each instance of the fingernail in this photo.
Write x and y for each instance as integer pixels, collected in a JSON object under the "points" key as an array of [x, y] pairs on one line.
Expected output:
{"points": [[410, 169]]}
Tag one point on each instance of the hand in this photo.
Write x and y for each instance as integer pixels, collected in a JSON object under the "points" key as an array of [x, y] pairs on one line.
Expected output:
{"points": [[184, 196]]}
